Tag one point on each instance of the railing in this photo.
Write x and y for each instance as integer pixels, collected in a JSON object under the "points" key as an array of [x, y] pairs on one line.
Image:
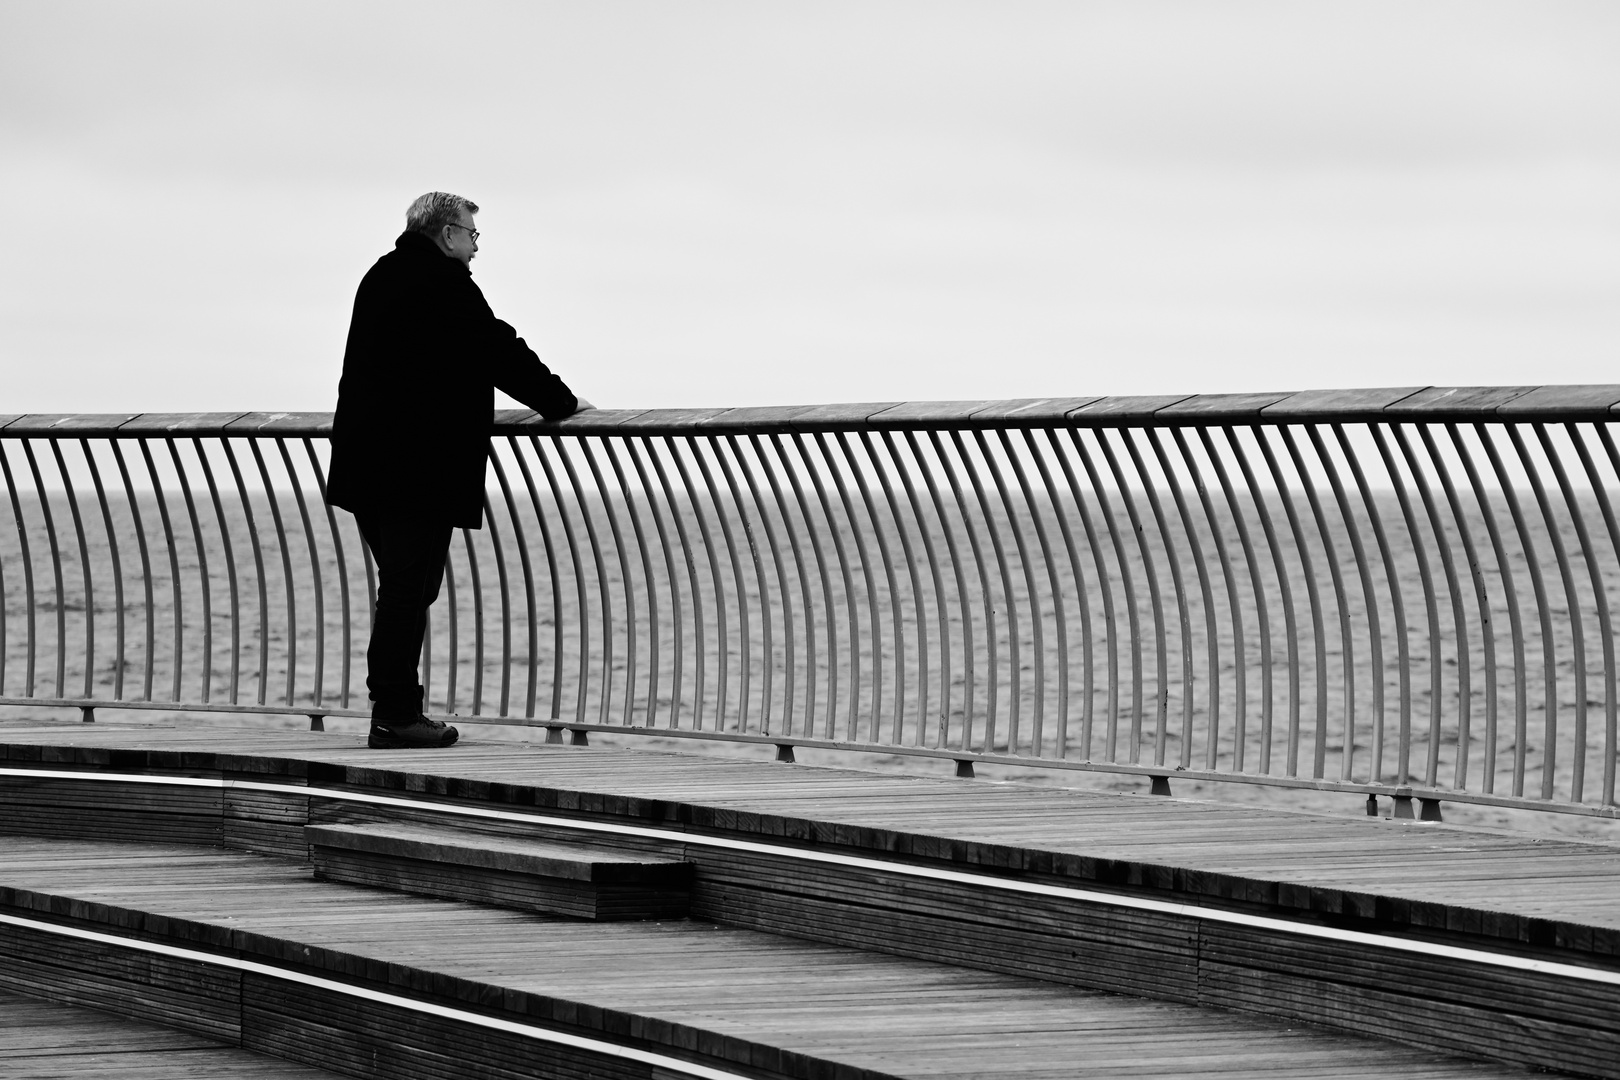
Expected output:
{"points": [[1403, 593]]}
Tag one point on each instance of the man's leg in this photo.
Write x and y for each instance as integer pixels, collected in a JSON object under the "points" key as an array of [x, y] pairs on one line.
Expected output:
{"points": [[410, 558]]}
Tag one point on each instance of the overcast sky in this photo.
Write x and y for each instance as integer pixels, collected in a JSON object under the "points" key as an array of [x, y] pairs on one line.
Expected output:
{"points": [[696, 203]]}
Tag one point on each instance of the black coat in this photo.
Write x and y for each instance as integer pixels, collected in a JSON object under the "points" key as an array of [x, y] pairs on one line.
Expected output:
{"points": [[417, 399]]}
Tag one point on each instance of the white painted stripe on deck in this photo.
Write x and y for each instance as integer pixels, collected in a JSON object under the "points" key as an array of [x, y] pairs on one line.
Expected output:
{"points": [[529, 1031], [1088, 896]]}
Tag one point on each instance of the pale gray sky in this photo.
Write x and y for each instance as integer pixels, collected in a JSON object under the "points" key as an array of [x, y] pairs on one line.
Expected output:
{"points": [[698, 203]]}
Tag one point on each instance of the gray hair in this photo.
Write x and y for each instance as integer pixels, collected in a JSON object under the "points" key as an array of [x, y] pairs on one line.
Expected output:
{"points": [[433, 211]]}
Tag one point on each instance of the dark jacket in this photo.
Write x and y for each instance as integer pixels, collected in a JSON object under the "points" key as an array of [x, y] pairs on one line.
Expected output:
{"points": [[417, 398]]}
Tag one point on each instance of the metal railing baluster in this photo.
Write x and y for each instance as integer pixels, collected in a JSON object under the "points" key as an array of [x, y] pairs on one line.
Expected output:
{"points": [[84, 570], [56, 567]]}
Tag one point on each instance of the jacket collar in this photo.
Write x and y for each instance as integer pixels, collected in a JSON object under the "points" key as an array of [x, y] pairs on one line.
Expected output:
{"points": [[414, 243]]}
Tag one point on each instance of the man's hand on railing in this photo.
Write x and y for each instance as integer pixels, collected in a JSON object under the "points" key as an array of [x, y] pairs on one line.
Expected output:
{"points": [[582, 405]]}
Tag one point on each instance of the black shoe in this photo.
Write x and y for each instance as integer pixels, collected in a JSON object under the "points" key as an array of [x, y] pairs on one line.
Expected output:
{"points": [[418, 732]]}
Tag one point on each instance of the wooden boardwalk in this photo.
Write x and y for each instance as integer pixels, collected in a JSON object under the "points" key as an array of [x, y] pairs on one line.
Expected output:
{"points": [[829, 932], [43, 1040], [879, 1014], [1570, 883]]}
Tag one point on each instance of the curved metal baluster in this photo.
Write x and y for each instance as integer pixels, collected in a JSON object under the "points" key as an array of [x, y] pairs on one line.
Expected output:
{"points": [[1458, 619], [803, 574], [1105, 587], [1601, 601], [626, 583], [961, 601], [498, 550], [910, 556], [722, 640], [1128, 585], [522, 543], [991, 668], [1482, 600], [315, 571], [1346, 639], [453, 661], [926, 536], [1515, 623], [1161, 660], [1578, 642], [1539, 588], [174, 563], [1037, 635], [850, 612], [1162, 712], [1426, 576], [1262, 613], [56, 569], [117, 568], [1009, 602], [826, 587], [556, 588], [202, 570], [1285, 592], [742, 596], [258, 566], [453, 645], [84, 567], [230, 565], [582, 692], [1369, 598], [1397, 615], [28, 571], [342, 566], [286, 570], [679, 520], [719, 590], [1312, 595], [852, 723], [1601, 490], [652, 590], [1240, 666], [146, 574], [897, 620], [765, 602], [601, 580], [5, 603], [1210, 632], [1082, 598]]}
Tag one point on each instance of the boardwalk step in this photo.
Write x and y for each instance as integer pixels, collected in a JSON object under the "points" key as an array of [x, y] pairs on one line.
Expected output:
{"points": [[46, 1039], [249, 949], [560, 879]]}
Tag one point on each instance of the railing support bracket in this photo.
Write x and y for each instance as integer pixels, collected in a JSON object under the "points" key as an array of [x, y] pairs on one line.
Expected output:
{"points": [[964, 768], [1161, 786], [1372, 806], [1429, 810], [784, 752], [579, 738], [1403, 807], [89, 713], [317, 722], [554, 734]]}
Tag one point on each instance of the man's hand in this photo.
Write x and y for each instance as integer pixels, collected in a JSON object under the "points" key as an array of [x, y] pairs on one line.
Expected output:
{"points": [[582, 405]]}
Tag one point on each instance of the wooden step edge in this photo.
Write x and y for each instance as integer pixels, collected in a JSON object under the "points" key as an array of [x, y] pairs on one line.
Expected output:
{"points": [[545, 859], [466, 1015]]}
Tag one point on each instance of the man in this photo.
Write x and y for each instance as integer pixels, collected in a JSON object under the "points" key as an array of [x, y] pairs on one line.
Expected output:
{"points": [[411, 436]]}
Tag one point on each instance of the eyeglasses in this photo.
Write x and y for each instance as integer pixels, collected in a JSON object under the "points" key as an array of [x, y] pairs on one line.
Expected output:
{"points": [[472, 232]]}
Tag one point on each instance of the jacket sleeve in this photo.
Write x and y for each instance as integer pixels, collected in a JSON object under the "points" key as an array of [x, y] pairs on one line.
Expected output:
{"points": [[516, 369]]}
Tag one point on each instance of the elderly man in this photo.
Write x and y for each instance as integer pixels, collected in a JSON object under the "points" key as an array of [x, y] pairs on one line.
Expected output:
{"points": [[411, 436]]}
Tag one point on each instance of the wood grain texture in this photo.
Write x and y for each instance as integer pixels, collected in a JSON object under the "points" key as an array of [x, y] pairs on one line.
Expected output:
{"points": [[763, 1004]]}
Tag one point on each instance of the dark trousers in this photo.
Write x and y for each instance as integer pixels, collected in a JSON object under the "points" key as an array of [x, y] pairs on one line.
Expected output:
{"points": [[410, 556]]}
